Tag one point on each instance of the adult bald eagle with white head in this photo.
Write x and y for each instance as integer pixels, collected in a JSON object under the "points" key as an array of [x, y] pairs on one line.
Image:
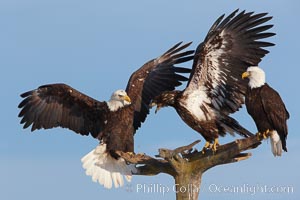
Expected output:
{"points": [[114, 122], [267, 109]]}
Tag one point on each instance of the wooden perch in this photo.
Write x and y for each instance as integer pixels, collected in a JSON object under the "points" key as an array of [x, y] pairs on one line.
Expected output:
{"points": [[187, 166]]}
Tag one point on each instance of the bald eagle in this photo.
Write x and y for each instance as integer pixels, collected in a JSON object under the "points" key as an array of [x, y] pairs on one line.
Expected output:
{"points": [[215, 88], [114, 122], [267, 109]]}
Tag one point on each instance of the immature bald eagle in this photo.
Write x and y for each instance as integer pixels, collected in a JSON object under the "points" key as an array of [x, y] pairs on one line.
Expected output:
{"points": [[114, 122], [215, 88], [267, 109]]}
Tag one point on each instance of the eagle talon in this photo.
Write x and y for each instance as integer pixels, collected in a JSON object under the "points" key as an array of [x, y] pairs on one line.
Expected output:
{"points": [[131, 154], [212, 146], [207, 145], [258, 134], [215, 145], [266, 134]]}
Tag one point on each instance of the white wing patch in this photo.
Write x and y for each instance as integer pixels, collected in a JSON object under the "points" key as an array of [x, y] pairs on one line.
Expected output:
{"points": [[197, 99], [215, 78]]}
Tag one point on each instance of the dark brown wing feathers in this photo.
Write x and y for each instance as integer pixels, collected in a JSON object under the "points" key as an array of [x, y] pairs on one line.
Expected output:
{"points": [[230, 47], [56, 105], [155, 77]]}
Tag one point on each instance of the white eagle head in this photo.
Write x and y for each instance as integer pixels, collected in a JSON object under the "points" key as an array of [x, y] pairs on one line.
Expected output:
{"points": [[256, 76], [118, 99]]}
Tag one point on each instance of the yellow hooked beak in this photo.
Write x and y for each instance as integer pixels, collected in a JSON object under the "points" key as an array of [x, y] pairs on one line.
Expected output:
{"points": [[127, 98], [245, 75]]}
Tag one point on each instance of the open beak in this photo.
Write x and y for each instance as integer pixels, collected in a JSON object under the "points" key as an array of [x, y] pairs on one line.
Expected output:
{"points": [[127, 98], [157, 108], [245, 75], [153, 104]]}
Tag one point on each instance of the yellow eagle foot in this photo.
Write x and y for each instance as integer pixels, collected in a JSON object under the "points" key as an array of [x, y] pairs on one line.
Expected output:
{"points": [[215, 145], [264, 135], [259, 136], [131, 154], [207, 145]]}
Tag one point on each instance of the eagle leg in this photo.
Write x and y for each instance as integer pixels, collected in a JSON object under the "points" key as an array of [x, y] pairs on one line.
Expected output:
{"points": [[266, 134], [130, 153], [259, 135], [263, 135], [215, 145], [207, 145]]}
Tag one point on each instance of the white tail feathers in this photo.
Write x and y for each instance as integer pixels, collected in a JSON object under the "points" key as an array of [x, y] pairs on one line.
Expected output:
{"points": [[276, 144], [105, 169]]}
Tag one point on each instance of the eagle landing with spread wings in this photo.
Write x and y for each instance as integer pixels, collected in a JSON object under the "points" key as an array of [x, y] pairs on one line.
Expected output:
{"points": [[114, 122]]}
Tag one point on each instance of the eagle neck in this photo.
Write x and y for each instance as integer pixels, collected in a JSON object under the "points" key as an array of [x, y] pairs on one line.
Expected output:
{"points": [[257, 81], [114, 105], [254, 85]]}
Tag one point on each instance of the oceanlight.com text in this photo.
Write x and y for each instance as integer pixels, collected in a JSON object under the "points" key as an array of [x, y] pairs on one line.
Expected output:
{"points": [[249, 189]]}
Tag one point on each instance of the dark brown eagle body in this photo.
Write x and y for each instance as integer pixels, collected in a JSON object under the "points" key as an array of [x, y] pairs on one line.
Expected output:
{"points": [[268, 111], [215, 88], [119, 138]]}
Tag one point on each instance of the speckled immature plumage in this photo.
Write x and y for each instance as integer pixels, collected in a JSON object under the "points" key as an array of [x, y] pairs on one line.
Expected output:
{"points": [[215, 88]]}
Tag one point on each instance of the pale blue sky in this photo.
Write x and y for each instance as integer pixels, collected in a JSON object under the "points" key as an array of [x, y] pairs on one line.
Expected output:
{"points": [[94, 46]]}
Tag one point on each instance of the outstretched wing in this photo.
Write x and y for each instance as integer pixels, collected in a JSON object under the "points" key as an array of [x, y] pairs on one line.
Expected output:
{"points": [[275, 109], [155, 77], [230, 47], [56, 105]]}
